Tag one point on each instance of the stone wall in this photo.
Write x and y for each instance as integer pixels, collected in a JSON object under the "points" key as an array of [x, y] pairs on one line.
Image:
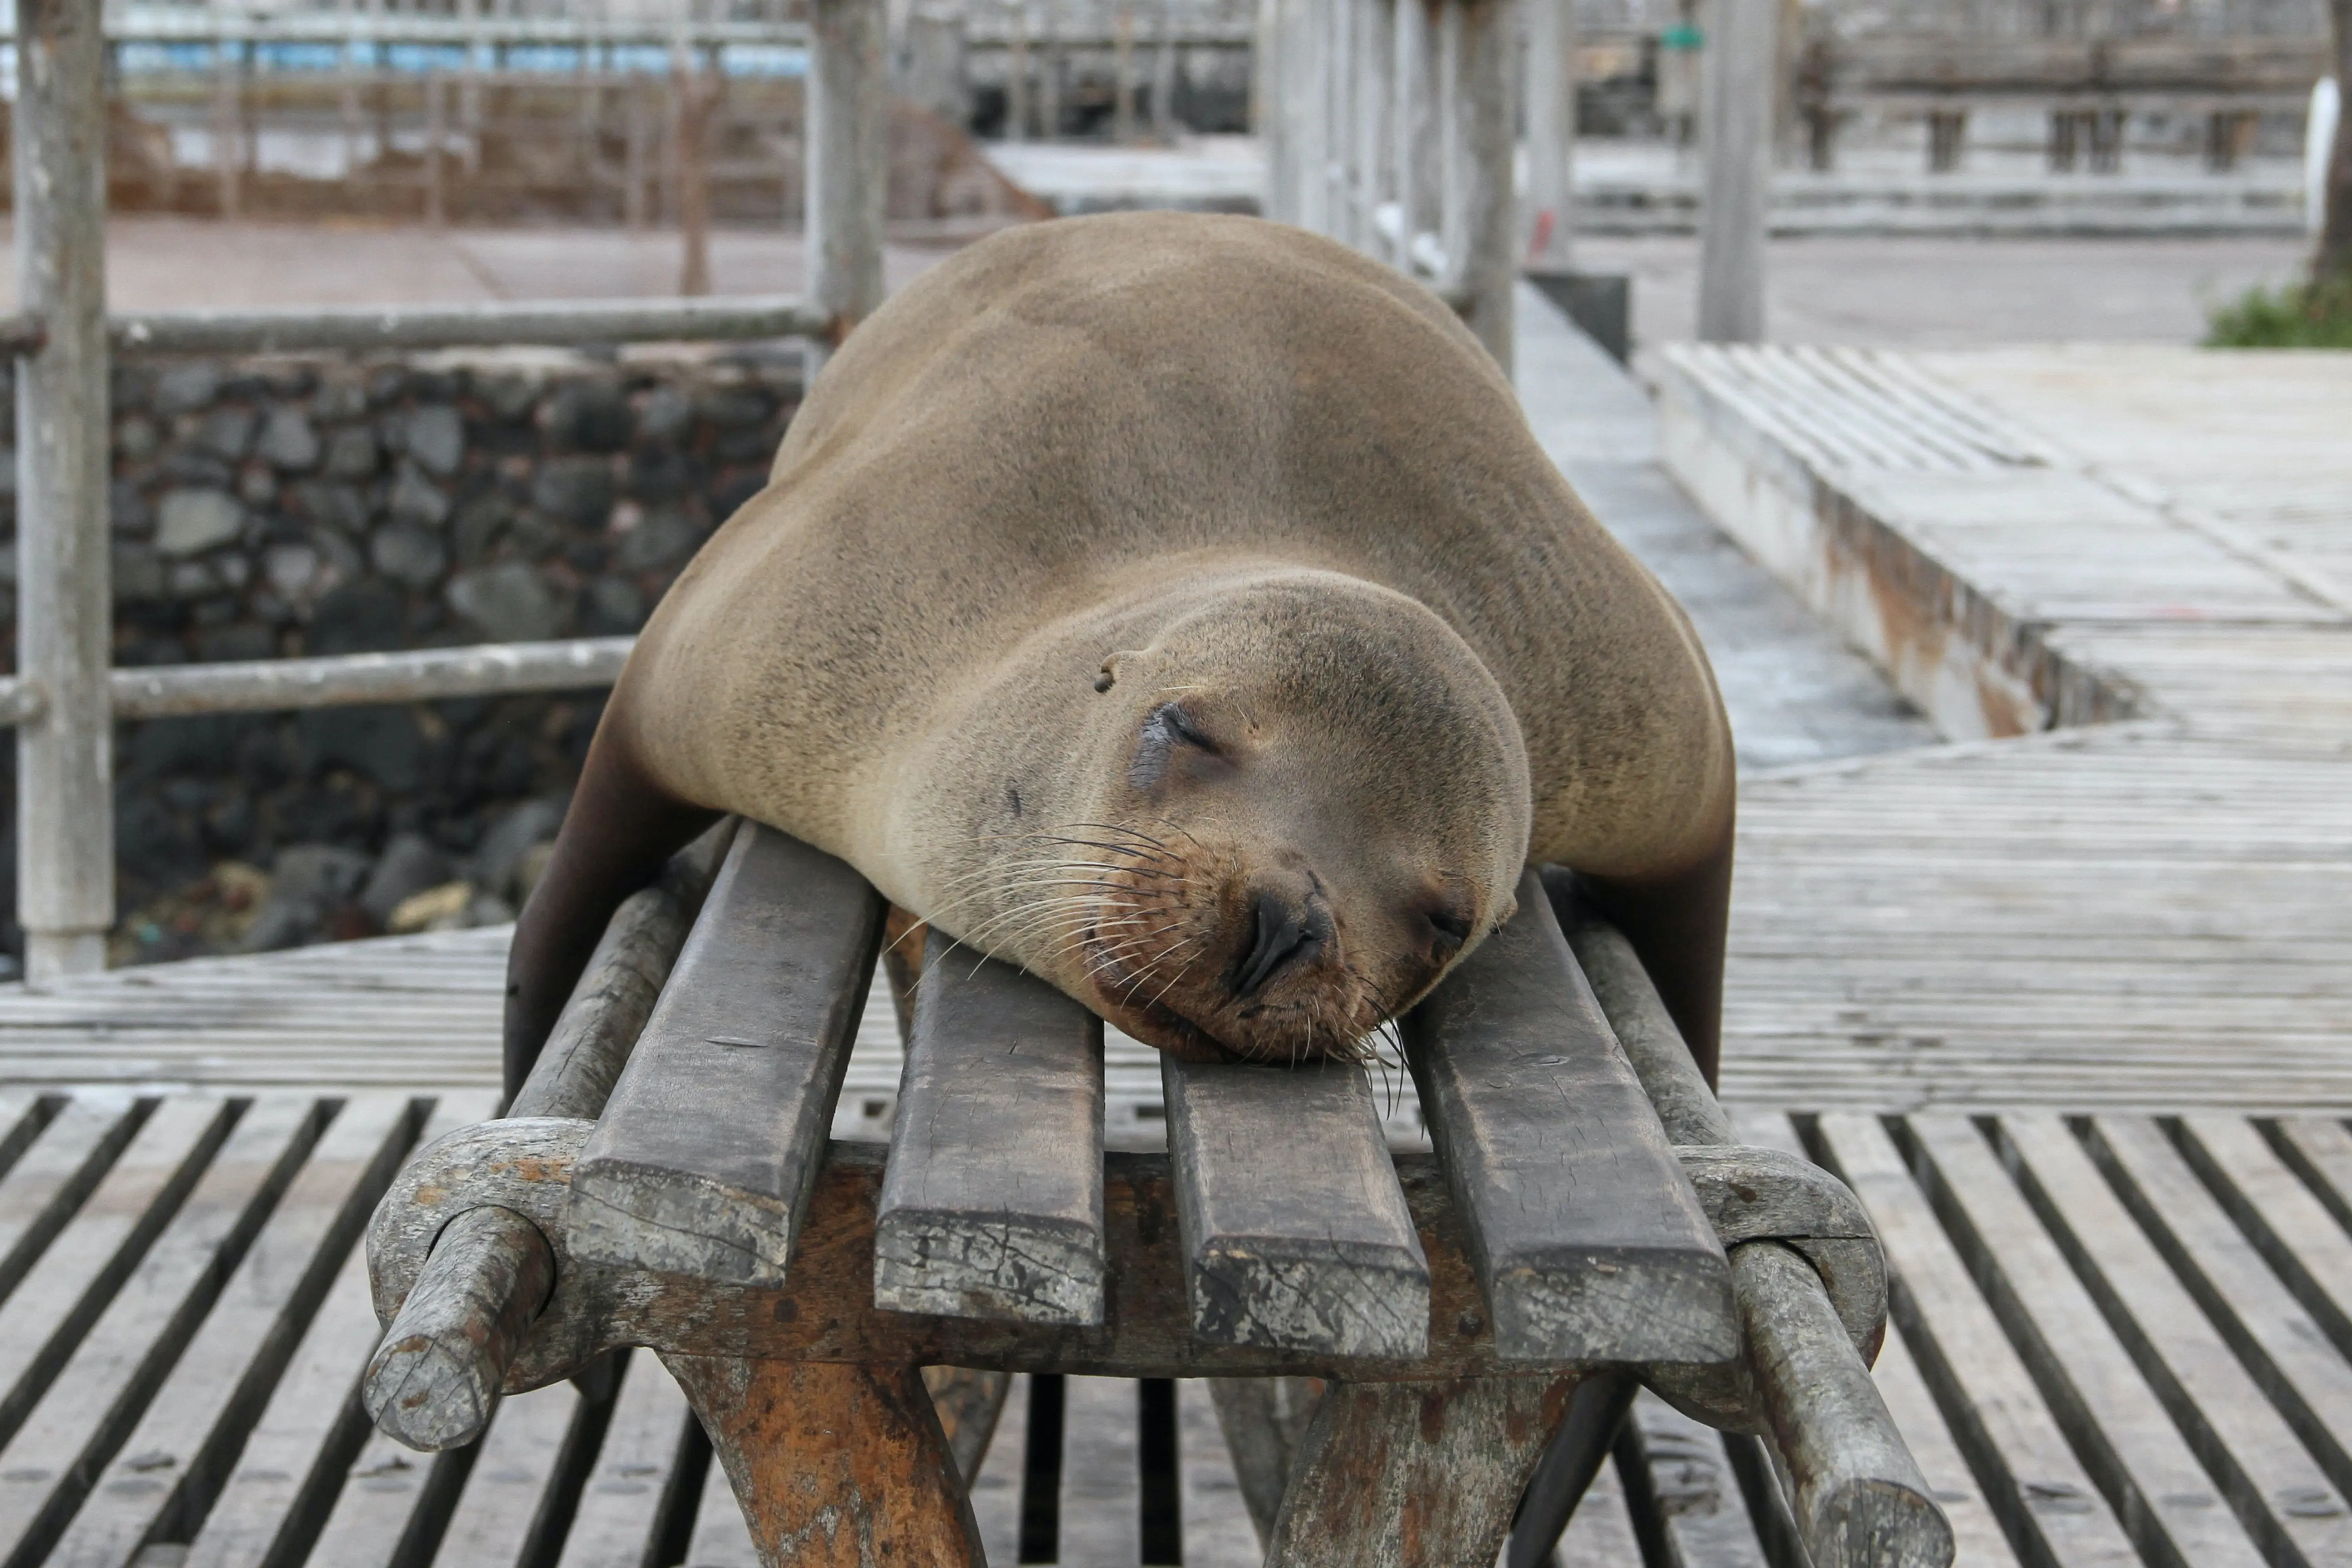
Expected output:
{"points": [[295, 506]]}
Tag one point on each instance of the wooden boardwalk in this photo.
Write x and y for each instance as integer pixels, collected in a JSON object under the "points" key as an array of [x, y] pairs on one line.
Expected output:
{"points": [[2067, 999]]}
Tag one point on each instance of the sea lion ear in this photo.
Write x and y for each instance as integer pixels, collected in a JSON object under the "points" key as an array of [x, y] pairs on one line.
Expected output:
{"points": [[1107, 677]]}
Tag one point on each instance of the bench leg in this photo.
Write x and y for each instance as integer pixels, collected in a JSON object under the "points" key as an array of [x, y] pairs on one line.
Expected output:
{"points": [[834, 1465], [1415, 1474], [1264, 1420]]}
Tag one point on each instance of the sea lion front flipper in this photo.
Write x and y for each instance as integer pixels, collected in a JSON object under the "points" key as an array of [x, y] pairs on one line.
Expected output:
{"points": [[1677, 924], [620, 830]]}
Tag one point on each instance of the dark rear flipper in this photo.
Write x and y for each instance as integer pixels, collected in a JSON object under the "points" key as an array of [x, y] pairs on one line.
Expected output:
{"points": [[621, 829]]}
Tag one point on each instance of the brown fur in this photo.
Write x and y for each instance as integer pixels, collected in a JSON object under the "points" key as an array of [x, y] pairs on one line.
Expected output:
{"points": [[1087, 468]]}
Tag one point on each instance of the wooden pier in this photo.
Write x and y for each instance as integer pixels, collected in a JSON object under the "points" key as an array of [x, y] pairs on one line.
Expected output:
{"points": [[2066, 1000]]}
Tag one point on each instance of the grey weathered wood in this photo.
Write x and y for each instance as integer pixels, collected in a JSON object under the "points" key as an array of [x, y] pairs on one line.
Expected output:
{"points": [[2284, 1218], [848, 153], [391, 1495], [1587, 1238], [553, 323], [506, 1505], [969, 1401], [703, 1162], [1388, 1469], [1485, 99], [1686, 1108], [281, 1489], [80, 1272], [607, 1010], [435, 1378], [1551, 133], [1602, 1533], [47, 1183], [628, 1496], [1220, 1531], [1296, 1233], [995, 1489], [1263, 1420], [65, 805], [47, 1464], [1999, 1417], [2285, 1500], [1576, 1456], [1702, 1516], [1977, 1537], [1101, 1510], [1735, 130], [993, 1203], [178, 1457], [262, 685], [434, 1383]]}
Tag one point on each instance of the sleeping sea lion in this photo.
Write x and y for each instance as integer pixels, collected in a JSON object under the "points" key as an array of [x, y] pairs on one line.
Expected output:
{"points": [[1178, 607]]}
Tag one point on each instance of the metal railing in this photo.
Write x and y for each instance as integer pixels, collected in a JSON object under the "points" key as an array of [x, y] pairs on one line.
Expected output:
{"points": [[65, 698]]}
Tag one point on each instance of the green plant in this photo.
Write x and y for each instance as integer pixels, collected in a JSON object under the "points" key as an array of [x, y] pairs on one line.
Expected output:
{"points": [[2314, 315]]}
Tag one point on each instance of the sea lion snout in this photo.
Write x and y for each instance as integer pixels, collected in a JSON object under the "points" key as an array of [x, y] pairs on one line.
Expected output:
{"points": [[1289, 928]]}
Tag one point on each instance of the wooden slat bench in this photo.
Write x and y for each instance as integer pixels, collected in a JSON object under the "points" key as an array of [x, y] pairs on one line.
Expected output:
{"points": [[1458, 1310]]}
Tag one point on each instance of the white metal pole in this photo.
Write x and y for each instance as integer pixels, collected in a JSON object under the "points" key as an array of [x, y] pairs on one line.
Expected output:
{"points": [[64, 772], [848, 154], [1551, 133], [1736, 128]]}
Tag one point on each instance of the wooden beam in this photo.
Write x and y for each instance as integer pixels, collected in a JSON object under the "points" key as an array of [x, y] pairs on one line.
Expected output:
{"points": [[1588, 1239], [706, 1151], [848, 158], [1295, 1232], [993, 1203], [65, 803], [1736, 130]]}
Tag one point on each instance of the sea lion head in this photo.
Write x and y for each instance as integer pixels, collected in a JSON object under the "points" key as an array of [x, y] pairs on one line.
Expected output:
{"points": [[1277, 812]]}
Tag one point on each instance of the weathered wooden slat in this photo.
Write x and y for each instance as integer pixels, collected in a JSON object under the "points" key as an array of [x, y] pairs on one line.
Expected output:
{"points": [[2000, 1416], [996, 1490], [1263, 1420], [629, 1495], [1700, 1512], [293, 1464], [47, 1183], [2282, 1347], [1218, 1532], [57, 1301], [703, 1161], [1599, 1535], [2117, 1423], [2284, 1218], [392, 1500], [1977, 1536], [1295, 1232], [176, 1458], [1587, 1240], [507, 1508], [45, 1467], [993, 1203], [2281, 1495]]}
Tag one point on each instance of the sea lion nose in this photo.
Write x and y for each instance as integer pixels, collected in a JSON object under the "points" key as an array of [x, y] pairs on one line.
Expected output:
{"points": [[1286, 931]]}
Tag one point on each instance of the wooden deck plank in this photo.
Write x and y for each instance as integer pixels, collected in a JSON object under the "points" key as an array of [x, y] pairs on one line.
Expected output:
{"points": [[2285, 1499], [721, 1538], [1701, 1514], [1101, 1481], [2118, 1424], [294, 1463], [993, 1202], [175, 1458], [2282, 1347], [1599, 1535], [507, 1506], [49, 1181], [2000, 1415], [628, 1496], [1216, 1522], [995, 1492], [50, 1460], [702, 1161]]}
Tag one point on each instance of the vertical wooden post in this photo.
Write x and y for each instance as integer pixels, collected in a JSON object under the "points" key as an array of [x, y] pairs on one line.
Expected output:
{"points": [[228, 122], [469, 89], [1164, 80], [697, 104], [1736, 128], [348, 90], [632, 157], [1487, 100], [1016, 76], [436, 130], [1049, 72], [1310, 87], [1340, 85], [65, 796], [1551, 133], [1374, 65], [1408, 102], [848, 155], [1122, 71]]}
